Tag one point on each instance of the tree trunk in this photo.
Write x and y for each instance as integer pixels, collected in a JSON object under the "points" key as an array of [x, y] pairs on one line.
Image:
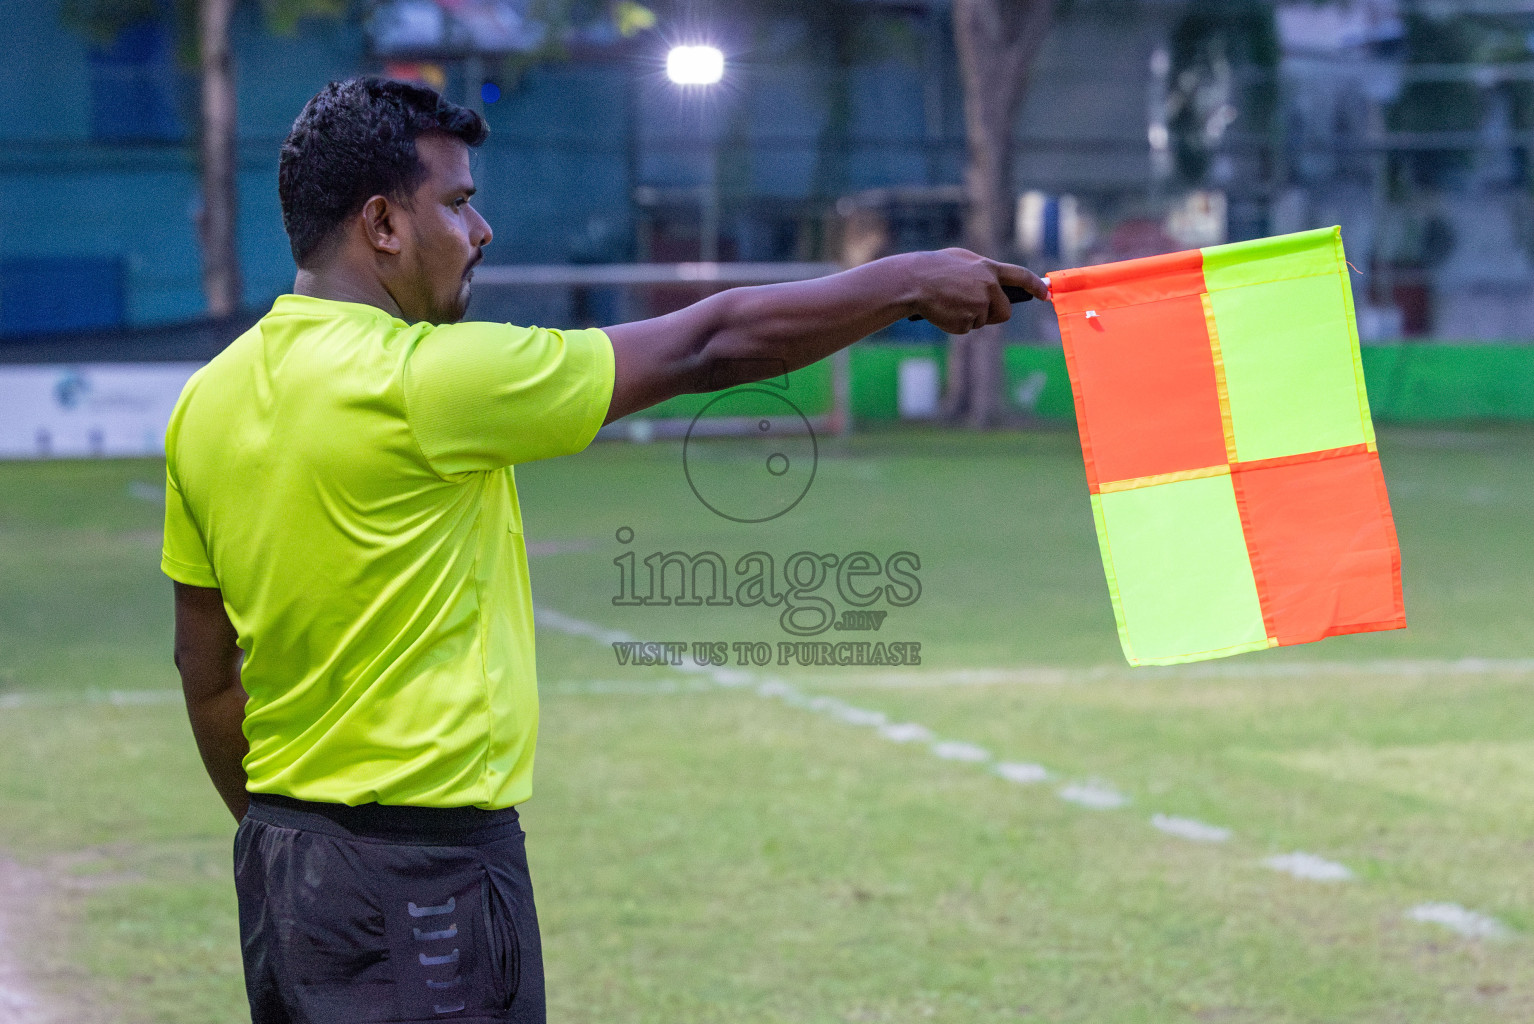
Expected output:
{"points": [[216, 222], [997, 42]]}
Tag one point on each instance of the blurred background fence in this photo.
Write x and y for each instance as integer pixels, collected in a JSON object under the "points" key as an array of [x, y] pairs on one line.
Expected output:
{"points": [[836, 134]]}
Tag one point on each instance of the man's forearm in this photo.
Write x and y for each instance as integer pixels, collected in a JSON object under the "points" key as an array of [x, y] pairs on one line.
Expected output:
{"points": [[218, 726], [792, 325], [208, 656], [747, 334]]}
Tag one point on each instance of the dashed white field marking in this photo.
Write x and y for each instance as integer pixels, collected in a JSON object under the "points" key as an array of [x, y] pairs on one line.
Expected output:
{"points": [[919, 679], [1047, 676], [906, 732], [844, 712], [117, 698], [958, 750], [1309, 867], [1190, 828], [860, 716], [623, 687], [1093, 795], [579, 627], [1396, 667], [1021, 772], [1457, 919]]}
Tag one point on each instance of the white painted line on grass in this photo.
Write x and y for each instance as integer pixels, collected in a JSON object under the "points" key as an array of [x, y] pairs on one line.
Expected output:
{"points": [[622, 687], [577, 627], [1398, 667], [1309, 867], [906, 732], [1457, 919], [1190, 828], [1047, 676], [957, 750], [844, 712], [919, 679], [1094, 795], [1022, 773], [860, 716], [124, 698], [116, 698]]}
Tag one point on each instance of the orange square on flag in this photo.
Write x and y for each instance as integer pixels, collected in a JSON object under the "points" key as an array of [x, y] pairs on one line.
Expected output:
{"points": [[1323, 547], [1146, 383]]}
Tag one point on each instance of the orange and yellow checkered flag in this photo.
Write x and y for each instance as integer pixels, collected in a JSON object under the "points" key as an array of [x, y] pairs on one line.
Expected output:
{"points": [[1229, 450]]}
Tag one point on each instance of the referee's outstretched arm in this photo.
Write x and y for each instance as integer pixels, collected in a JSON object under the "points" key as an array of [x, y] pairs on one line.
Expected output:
{"points": [[748, 334]]}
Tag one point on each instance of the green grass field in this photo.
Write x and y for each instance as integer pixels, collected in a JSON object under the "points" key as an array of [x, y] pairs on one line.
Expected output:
{"points": [[706, 853]]}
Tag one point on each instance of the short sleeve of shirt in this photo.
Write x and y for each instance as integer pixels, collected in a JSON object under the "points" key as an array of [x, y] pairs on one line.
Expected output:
{"points": [[185, 556], [482, 396]]}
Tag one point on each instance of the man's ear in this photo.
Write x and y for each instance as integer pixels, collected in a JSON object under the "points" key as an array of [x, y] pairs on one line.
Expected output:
{"points": [[378, 223]]}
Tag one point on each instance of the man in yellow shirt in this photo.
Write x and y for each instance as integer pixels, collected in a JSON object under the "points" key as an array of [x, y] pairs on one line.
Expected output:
{"points": [[354, 623]]}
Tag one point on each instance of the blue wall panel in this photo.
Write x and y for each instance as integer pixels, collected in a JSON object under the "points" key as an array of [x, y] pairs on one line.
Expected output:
{"points": [[45, 294], [44, 87]]}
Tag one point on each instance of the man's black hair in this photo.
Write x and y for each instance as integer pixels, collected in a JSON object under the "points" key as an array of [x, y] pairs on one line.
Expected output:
{"points": [[354, 140]]}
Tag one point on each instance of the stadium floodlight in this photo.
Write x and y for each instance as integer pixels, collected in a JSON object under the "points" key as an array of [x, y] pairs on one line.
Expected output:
{"points": [[702, 65], [695, 65]]}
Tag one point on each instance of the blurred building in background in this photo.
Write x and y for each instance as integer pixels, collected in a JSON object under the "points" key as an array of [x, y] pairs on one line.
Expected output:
{"points": [[1410, 125], [1150, 125]]}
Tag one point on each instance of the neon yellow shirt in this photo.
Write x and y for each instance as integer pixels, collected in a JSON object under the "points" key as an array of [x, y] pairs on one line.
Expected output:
{"points": [[345, 480]]}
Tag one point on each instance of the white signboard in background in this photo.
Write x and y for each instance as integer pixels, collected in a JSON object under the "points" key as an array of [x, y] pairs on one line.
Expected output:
{"points": [[917, 389], [84, 410]]}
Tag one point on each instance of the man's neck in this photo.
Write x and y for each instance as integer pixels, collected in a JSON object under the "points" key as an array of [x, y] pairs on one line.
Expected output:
{"points": [[341, 286]]}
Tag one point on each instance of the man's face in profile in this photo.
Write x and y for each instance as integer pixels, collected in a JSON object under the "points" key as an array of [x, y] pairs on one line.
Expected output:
{"points": [[442, 235]]}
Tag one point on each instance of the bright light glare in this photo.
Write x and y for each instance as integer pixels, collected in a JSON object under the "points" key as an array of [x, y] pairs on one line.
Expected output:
{"points": [[695, 65]]}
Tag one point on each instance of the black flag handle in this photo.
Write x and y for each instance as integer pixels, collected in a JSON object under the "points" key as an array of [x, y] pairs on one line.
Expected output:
{"points": [[1015, 293]]}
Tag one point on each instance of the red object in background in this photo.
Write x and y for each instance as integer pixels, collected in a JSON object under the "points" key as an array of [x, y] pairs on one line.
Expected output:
{"points": [[1135, 238], [679, 242], [419, 72]]}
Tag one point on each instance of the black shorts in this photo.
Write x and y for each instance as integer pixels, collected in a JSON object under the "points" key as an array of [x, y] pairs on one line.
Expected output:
{"points": [[355, 915]]}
